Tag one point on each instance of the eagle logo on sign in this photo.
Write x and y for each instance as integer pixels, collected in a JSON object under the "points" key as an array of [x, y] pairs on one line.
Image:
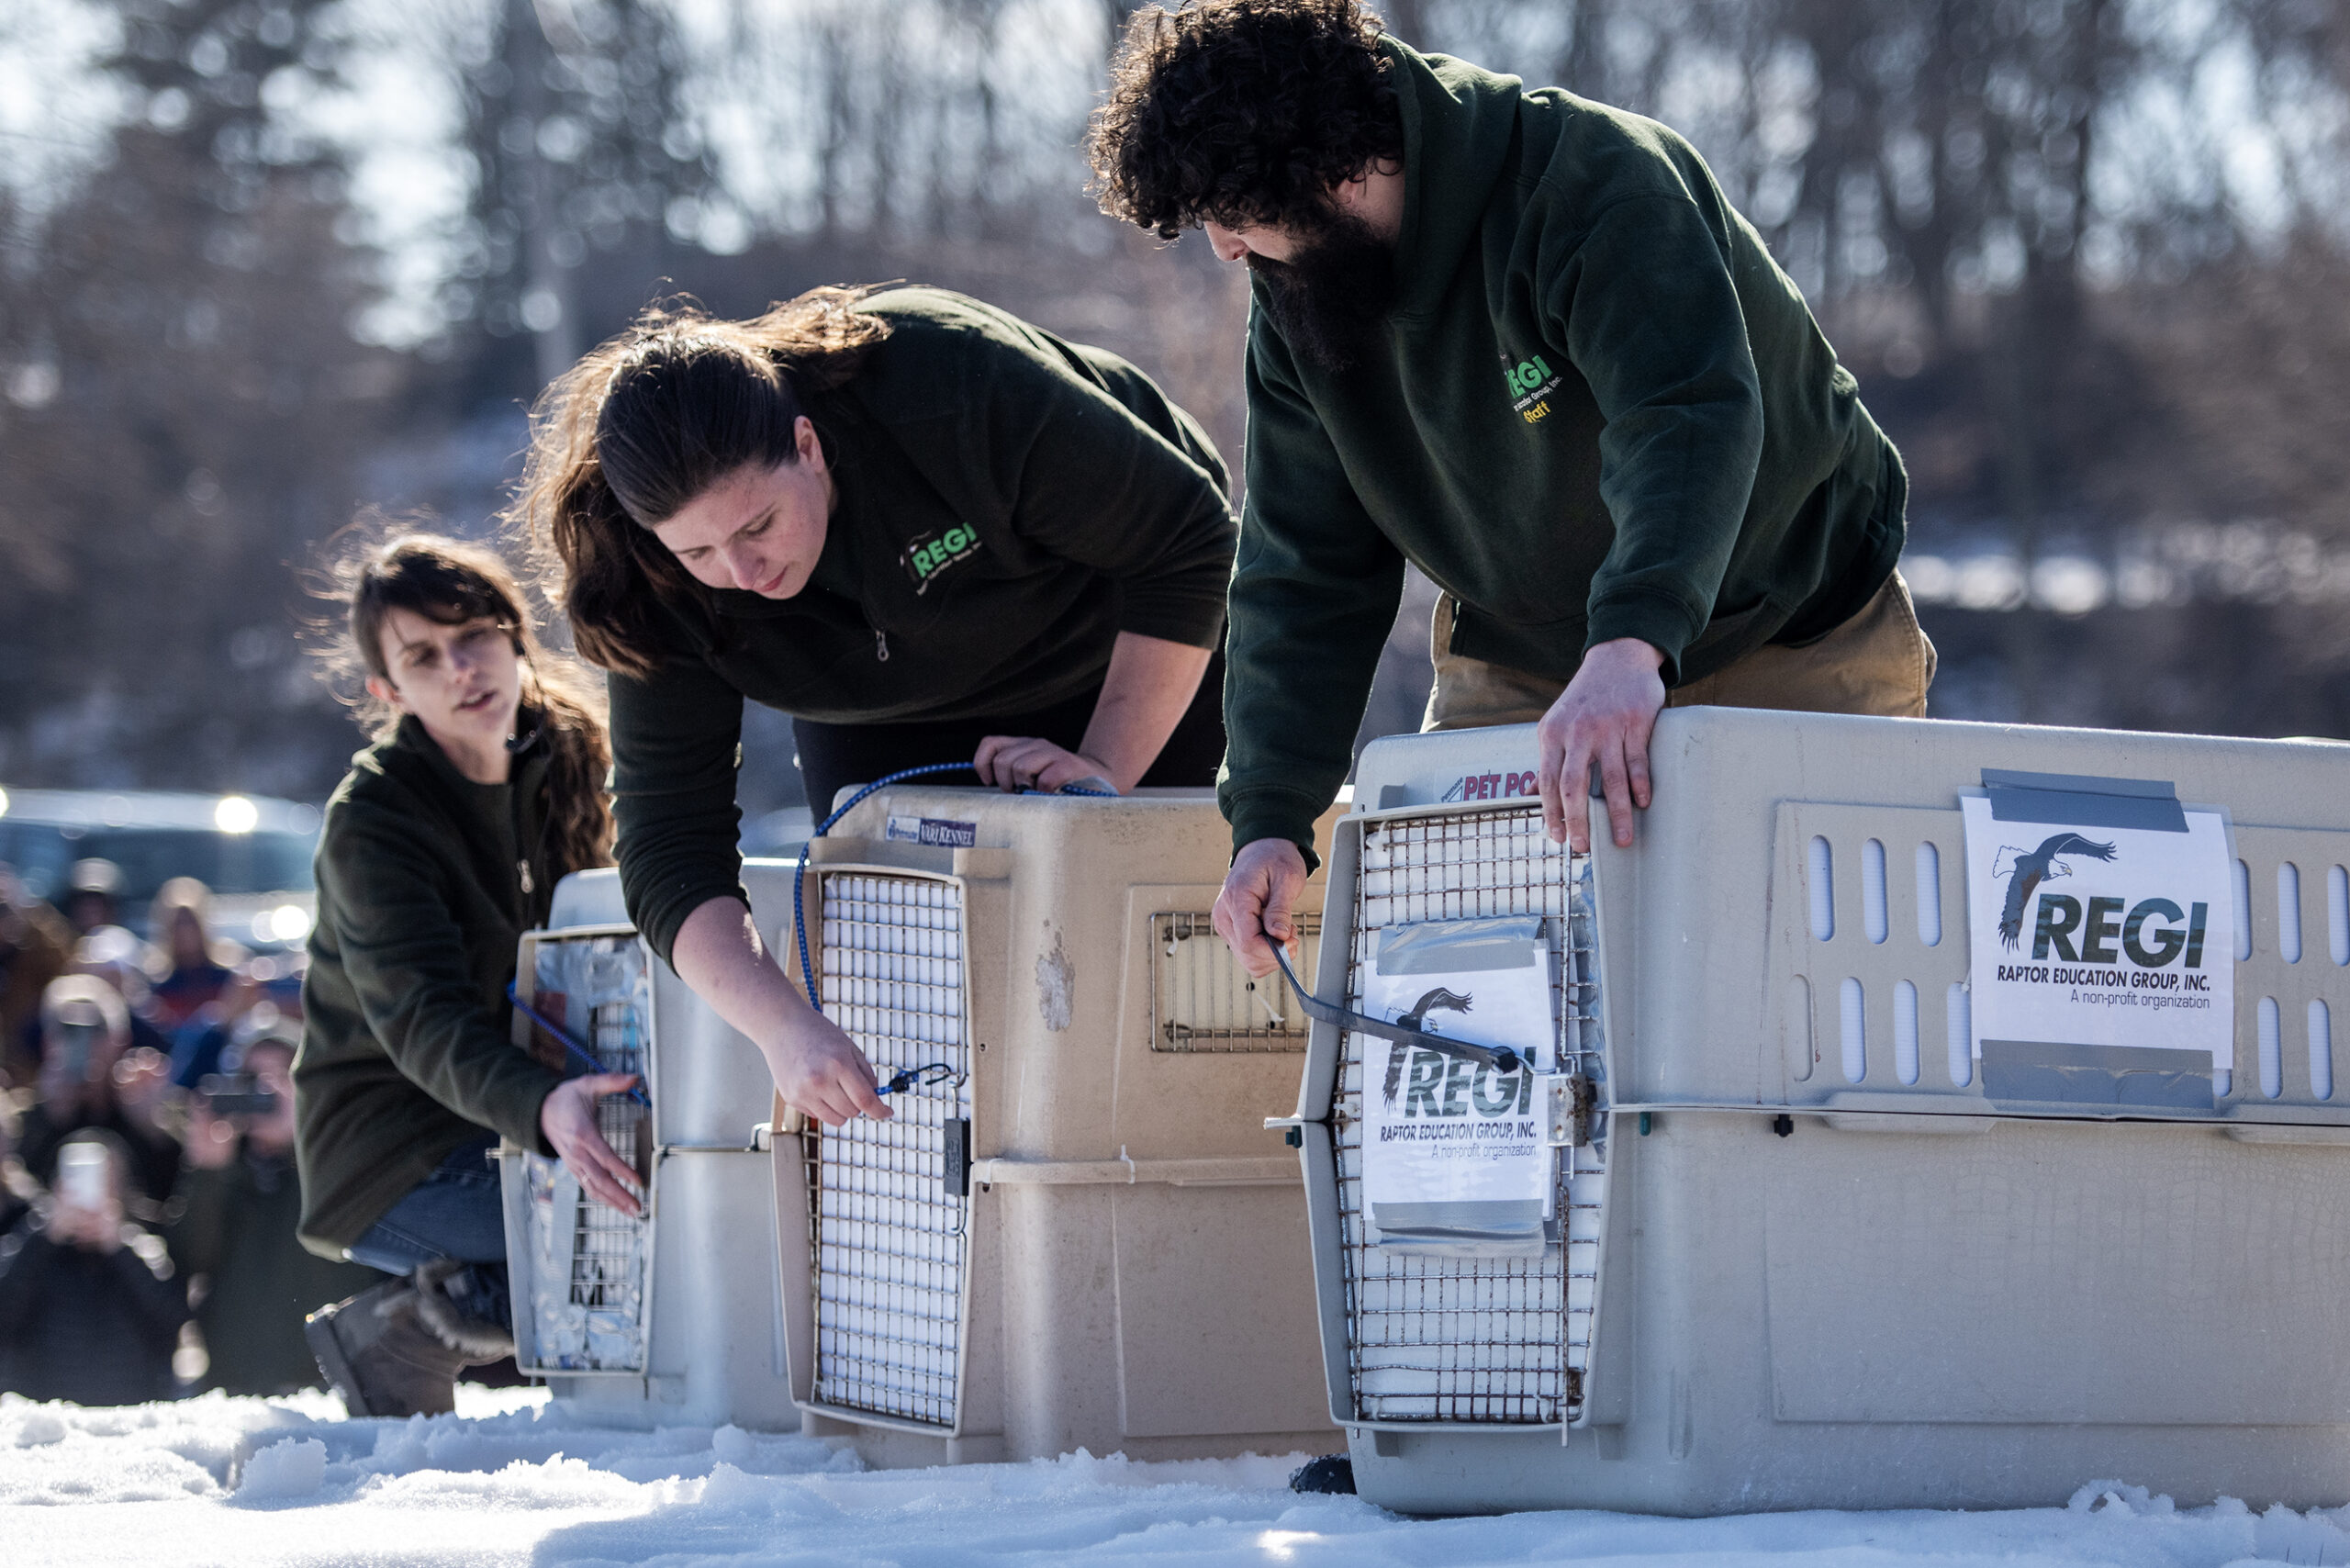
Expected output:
{"points": [[1439, 998], [2026, 870]]}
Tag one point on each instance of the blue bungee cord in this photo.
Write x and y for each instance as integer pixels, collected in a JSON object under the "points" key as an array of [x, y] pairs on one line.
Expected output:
{"points": [[587, 1057], [937, 1071]]}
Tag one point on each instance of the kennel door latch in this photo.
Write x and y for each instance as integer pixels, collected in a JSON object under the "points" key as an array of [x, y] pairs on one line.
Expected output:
{"points": [[1567, 1102]]}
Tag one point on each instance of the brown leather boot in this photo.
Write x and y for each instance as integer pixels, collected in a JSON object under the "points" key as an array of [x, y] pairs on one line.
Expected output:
{"points": [[382, 1356], [478, 1340]]}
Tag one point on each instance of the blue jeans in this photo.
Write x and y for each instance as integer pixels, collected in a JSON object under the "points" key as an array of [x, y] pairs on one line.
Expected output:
{"points": [[455, 1213]]}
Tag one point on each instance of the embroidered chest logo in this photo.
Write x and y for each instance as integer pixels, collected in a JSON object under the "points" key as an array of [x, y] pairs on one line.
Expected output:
{"points": [[1531, 382], [933, 553]]}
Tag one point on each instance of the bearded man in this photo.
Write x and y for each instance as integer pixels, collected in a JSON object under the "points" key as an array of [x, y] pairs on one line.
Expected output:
{"points": [[1523, 340]]}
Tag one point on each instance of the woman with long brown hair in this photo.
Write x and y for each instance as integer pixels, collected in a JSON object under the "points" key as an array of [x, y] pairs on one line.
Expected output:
{"points": [[483, 787], [923, 528]]}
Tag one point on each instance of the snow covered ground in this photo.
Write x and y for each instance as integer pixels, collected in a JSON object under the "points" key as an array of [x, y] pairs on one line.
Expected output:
{"points": [[248, 1483]]}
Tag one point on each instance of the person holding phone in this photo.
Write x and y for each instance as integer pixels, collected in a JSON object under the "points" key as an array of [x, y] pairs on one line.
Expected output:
{"points": [[90, 1304], [443, 844], [927, 529], [235, 1224], [91, 1077]]}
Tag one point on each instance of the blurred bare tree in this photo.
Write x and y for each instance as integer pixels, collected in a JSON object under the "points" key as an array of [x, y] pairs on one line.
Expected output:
{"points": [[2061, 241], [582, 151], [2086, 255], [188, 409]]}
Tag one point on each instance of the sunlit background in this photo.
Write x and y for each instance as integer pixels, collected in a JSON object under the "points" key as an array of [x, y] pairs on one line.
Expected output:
{"points": [[267, 262]]}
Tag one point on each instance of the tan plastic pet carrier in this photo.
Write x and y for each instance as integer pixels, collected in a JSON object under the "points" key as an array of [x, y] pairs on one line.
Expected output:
{"points": [[671, 1319], [1810, 1239], [1082, 1235]]}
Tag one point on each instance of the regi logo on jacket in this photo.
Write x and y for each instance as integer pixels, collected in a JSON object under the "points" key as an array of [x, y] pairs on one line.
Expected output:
{"points": [[926, 557], [1531, 382]]}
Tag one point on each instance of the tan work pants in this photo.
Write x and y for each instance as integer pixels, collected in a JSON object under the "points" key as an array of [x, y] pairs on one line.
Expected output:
{"points": [[1879, 662]]}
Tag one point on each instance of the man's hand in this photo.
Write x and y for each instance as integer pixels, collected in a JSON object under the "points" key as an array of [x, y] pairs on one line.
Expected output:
{"points": [[567, 1117], [1024, 762], [212, 1141], [92, 1230], [1605, 715], [818, 1069], [237, 998], [142, 1082], [63, 1094], [1265, 879]]}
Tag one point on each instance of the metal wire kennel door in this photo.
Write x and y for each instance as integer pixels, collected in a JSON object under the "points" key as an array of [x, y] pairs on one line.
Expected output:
{"points": [[583, 1286], [608, 1249], [888, 1204], [1484, 1341]]}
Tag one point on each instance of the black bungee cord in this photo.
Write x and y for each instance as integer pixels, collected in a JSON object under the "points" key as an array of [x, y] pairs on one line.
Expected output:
{"points": [[1503, 1060]]}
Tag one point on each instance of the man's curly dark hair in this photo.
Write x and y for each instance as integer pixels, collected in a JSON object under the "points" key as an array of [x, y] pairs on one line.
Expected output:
{"points": [[1241, 112]]}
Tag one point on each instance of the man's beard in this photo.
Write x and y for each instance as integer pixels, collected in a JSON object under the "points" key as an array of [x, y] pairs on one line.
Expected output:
{"points": [[1330, 299]]}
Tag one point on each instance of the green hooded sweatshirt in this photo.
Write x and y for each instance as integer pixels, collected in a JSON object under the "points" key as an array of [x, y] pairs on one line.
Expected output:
{"points": [[426, 882], [1598, 410], [1008, 503]]}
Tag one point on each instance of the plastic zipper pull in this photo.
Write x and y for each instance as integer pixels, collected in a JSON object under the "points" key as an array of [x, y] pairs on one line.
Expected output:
{"points": [[523, 867], [880, 646]]}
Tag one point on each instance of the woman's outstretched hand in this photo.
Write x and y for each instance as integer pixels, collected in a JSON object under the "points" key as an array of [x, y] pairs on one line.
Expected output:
{"points": [[818, 1069], [567, 1117]]}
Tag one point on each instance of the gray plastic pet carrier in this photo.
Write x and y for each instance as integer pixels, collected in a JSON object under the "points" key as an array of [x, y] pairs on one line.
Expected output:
{"points": [[671, 1319], [1821, 1230]]}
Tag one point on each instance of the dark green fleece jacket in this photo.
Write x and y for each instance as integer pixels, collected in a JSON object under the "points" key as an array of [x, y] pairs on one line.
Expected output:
{"points": [[1599, 409], [422, 896], [1007, 504]]}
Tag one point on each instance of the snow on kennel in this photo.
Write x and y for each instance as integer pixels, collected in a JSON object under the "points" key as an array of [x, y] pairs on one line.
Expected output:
{"points": [[1845, 1201], [1081, 1234]]}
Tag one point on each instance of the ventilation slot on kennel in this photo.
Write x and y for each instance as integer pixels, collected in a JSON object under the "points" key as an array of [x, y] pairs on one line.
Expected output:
{"points": [[1203, 1000]]}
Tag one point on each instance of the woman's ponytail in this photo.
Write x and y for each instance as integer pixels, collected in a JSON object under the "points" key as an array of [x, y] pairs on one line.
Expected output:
{"points": [[612, 579]]}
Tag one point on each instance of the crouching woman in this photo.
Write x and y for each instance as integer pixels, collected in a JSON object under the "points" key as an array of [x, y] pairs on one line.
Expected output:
{"points": [[442, 844]]}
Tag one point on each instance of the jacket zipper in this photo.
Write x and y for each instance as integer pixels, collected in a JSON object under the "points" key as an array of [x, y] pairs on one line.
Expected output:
{"points": [[546, 826], [522, 861], [880, 646]]}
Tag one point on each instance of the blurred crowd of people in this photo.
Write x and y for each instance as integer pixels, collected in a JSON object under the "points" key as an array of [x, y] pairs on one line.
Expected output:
{"points": [[148, 1193]]}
